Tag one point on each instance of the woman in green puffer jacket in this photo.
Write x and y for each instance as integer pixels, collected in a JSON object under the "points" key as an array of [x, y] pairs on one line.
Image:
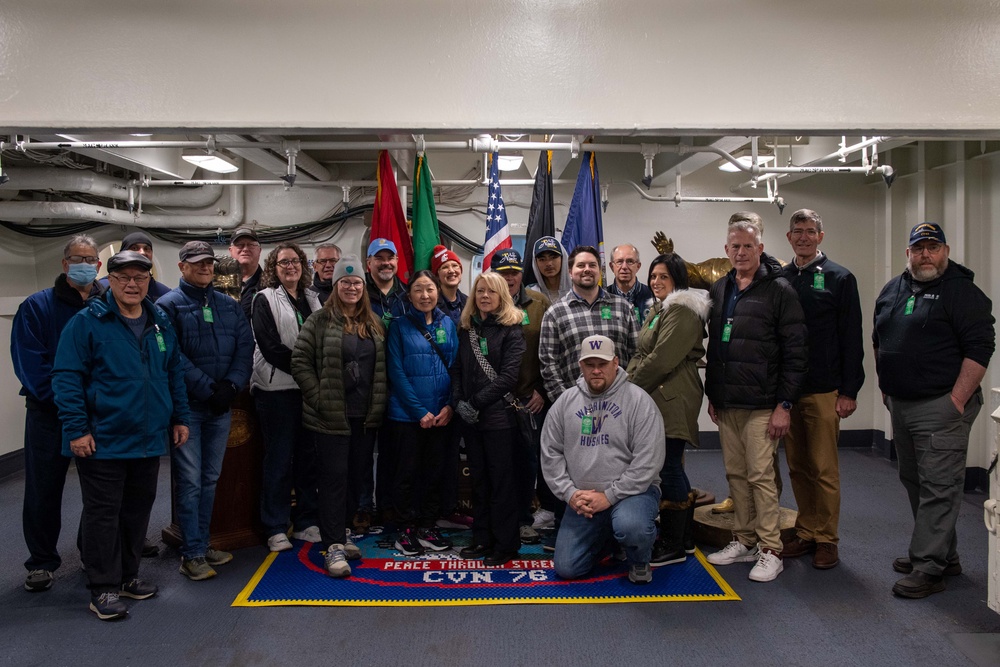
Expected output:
{"points": [[339, 364]]}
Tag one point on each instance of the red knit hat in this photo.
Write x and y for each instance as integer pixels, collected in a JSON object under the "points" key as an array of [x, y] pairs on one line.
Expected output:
{"points": [[440, 255]]}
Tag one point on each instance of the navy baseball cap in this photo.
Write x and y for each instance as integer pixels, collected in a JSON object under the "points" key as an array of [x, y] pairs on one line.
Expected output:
{"points": [[381, 244], [547, 244], [927, 231], [508, 258]]}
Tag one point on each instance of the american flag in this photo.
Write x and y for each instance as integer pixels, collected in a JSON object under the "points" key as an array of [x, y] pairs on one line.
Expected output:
{"points": [[497, 229]]}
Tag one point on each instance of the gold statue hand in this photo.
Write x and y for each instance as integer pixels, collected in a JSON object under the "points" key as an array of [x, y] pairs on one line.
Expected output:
{"points": [[662, 244]]}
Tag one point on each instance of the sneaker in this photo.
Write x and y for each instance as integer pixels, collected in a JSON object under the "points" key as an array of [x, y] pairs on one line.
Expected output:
{"points": [[335, 562], [351, 550], [543, 519], [310, 534], [769, 566], [137, 589], [529, 535], [407, 543], [108, 606], [663, 556], [735, 552], [456, 521], [640, 573], [150, 549], [430, 538], [38, 581], [196, 569], [217, 557], [279, 542]]}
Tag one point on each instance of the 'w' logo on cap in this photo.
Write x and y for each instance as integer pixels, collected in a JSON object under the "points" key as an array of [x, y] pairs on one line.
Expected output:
{"points": [[595, 344]]}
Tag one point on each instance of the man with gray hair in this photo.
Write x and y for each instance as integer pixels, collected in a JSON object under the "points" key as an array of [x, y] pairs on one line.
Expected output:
{"points": [[756, 368], [324, 262], [34, 338], [829, 296], [625, 264]]}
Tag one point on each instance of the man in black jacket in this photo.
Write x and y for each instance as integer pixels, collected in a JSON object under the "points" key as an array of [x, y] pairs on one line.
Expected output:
{"points": [[933, 339], [756, 368], [829, 296]]}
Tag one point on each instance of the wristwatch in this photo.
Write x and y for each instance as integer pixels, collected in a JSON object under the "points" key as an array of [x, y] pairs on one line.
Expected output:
{"points": [[787, 405]]}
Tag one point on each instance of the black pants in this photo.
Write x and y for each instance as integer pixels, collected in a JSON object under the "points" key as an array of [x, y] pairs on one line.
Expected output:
{"points": [[118, 496], [450, 465], [420, 455], [342, 463], [44, 478], [494, 497], [526, 449]]}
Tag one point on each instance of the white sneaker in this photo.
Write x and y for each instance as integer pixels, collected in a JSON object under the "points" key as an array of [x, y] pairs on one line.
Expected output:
{"points": [[279, 542], [543, 519], [734, 552], [768, 566], [335, 562], [351, 550], [310, 534]]}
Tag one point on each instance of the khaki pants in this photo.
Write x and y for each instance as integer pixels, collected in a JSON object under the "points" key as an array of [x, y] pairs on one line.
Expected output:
{"points": [[748, 453], [813, 466]]}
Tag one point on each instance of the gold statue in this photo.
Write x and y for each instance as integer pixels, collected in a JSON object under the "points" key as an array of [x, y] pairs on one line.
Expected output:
{"points": [[227, 277], [700, 275]]}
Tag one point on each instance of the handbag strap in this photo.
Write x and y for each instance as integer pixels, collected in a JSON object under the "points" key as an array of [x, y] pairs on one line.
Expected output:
{"points": [[491, 373], [430, 339]]}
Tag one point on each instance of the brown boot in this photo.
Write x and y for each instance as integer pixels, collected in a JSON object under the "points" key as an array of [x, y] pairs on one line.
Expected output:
{"points": [[825, 557], [797, 547]]}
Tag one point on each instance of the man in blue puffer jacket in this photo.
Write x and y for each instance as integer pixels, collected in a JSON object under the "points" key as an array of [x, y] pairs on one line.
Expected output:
{"points": [[217, 353], [118, 381]]}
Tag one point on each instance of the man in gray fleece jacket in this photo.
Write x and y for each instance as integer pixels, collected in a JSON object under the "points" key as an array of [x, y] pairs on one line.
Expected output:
{"points": [[602, 450]]}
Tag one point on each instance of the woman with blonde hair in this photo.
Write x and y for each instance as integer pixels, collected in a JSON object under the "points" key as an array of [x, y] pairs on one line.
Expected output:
{"points": [[490, 347], [339, 363]]}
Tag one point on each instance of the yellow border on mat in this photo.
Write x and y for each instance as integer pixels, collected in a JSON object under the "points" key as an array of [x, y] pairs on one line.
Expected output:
{"points": [[243, 599]]}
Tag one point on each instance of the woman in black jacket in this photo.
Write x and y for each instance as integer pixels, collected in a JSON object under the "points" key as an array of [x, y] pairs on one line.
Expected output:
{"points": [[490, 347]]}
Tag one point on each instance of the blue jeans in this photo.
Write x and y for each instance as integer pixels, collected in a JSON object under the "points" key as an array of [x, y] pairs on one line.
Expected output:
{"points": [[289, 462], [196, 468], [44, 478], [631, 521]]}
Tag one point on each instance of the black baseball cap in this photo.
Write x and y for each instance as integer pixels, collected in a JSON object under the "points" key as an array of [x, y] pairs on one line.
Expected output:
{"points": [[244, 232], [127, 258], [505, 259], [195, 251]]}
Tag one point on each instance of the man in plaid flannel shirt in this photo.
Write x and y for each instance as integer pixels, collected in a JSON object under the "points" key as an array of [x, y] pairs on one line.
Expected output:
{"points": [[587, 310]]}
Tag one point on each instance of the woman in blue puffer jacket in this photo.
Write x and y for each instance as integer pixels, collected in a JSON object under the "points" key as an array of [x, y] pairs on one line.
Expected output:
{"points": [[421, 349]]}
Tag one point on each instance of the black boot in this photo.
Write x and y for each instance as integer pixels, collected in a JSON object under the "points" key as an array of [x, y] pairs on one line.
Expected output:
{"points": [[689, 525], [669, 548]]}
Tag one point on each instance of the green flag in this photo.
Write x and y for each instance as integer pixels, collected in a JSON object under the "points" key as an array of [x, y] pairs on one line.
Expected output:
{"points": [[425, 222]]}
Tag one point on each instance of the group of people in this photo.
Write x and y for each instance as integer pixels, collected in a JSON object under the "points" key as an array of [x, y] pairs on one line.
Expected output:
{"points": [[584, 397]]}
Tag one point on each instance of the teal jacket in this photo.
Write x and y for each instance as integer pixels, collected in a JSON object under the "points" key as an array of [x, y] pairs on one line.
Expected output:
{"points": [[126, 393]]}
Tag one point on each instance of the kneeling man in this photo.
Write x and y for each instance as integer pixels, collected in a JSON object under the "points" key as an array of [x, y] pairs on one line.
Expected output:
{"points": [[602, 450]]}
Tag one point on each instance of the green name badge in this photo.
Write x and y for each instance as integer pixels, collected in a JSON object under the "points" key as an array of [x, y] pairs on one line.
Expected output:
{"points": [[159, 342], [635, 311], [727, 331], [605, 312], [525, 320], [298, 316], [440, 336], [909, 305], [655, 320], [482, 346], [587, 428], [819, 281], [206, 314]]}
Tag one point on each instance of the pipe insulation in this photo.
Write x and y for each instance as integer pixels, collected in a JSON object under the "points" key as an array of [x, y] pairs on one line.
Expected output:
{"points": [[53, 179]]}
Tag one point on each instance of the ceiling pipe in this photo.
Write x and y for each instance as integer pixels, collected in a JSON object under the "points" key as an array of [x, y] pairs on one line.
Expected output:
{"points": [[679, 199], [32, 210], [54, 179], [840, 154]]}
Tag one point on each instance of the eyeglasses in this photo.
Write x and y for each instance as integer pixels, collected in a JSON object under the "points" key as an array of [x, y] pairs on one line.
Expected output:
{"points": [[323, 262], [80, 259], [629, 262], [288, 263], [805, 232], [930, 249], [246, 244], [125, 280], [351, 284]]}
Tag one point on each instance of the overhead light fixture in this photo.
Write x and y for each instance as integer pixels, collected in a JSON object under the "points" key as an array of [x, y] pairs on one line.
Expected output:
{"points": [[746, 161], [215, 162], [509, 162]]}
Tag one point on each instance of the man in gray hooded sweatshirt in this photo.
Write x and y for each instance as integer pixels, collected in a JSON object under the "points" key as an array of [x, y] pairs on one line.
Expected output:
{"points": [[602, 450]]}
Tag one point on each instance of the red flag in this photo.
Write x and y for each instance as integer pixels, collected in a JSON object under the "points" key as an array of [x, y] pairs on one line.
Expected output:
{"points": [[388, 219]]}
